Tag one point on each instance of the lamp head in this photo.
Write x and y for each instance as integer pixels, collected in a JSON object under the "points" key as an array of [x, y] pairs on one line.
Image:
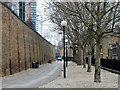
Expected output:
{"points": [[66, 40], [64, 23]]}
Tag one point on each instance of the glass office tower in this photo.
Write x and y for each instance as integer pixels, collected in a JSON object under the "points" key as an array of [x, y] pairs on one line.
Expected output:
{"points": [[33, 13]]}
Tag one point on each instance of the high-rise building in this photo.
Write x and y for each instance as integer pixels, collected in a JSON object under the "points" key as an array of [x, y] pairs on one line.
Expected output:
{"points": [[25, 10], [22, 10], [39, 23], [14, 6], [30, 13], [33, 13]]}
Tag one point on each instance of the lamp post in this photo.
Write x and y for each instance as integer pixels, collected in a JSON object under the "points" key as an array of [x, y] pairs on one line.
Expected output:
{"points": [[64, 24], [66, 53]]}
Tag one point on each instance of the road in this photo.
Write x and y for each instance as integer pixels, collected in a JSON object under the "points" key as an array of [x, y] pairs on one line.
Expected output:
{"points": [[41, 76]]}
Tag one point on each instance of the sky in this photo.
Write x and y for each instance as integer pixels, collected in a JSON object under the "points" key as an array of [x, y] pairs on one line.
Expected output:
{"points": [[46, 25]]}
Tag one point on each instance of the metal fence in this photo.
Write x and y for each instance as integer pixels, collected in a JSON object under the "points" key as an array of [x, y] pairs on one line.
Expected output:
{"points": [[113, 64]]}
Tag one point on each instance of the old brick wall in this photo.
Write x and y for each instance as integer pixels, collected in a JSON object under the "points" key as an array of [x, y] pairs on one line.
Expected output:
{"points": [[21, 45], [0, 45], [105, 45]]}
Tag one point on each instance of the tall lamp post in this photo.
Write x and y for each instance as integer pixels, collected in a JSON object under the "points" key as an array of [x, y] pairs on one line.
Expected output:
{"points": [[66, 40], [64, 24]]}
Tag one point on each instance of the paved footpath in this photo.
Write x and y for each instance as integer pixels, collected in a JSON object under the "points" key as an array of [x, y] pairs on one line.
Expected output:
{"points": [[34, 77], [77, 77]]}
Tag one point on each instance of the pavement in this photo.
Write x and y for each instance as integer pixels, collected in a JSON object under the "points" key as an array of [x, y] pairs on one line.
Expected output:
{"points": [[34, 77], [78, 77]]}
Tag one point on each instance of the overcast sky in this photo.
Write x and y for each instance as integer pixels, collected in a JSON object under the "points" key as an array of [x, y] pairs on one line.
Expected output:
{"points": [[47, 26]]}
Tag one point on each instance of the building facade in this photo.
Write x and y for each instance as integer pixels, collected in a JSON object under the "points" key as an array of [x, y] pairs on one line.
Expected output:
{"points": [[39, 23], [109, 48], [25, 10], [14, 6], [22, 10], [107, 45], [116, 51], [33, 13]]}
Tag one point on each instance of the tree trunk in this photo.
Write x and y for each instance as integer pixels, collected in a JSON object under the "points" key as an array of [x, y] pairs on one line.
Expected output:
{"points": [[79, 57], [75, 58], [97, 76], [89, 59], [84, 60], [74, 54]]}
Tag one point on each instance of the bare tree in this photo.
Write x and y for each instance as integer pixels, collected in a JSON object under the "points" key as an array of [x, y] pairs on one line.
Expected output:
{"points": [[89, 21]]}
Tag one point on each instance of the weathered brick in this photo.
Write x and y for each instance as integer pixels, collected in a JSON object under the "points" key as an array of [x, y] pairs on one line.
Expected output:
{"points": [[5, 42], [21, 45]]}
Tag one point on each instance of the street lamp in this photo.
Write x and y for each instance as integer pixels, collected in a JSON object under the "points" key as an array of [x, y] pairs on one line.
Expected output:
{"points": [[64, 24], [66, 40]]}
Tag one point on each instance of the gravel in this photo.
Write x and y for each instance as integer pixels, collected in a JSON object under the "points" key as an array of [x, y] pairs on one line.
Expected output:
{"points": [[78, 77]]}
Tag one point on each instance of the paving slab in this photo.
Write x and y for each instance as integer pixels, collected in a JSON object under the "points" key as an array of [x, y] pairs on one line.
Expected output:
{"points": [[78, 77]]}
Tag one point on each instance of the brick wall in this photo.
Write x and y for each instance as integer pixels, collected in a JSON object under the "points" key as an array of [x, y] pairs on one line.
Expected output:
{"points": [[105, 45], [0, 41], [21, 45]]}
